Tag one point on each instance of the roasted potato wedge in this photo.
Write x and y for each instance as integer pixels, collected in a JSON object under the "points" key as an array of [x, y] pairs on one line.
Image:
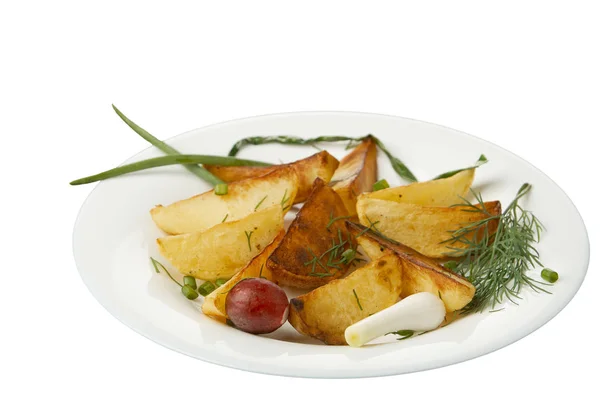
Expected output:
{"points": [[326, 312], [320, 165], [224, 249], [201, 212], [422, 228], [214, 303], [316, 230], [356, 174], [420, 273], [435, 193]]}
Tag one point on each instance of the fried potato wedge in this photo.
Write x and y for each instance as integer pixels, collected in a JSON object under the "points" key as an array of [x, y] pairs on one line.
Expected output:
{"points": [[435, 193], [315, 232], [214, 303], [326, 312], [224, 249], [420, 273], [423, 228], [201, 212], [319, 165], [356, 174]]}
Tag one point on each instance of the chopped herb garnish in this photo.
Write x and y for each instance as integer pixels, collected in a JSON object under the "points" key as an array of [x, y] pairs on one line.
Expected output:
{"points": [[187, 289], [220, 281], [549, 275], [191, 281], [284, 200], [451, 265], [189, 292], [357, 300], [349, 255], [380, 185], [335, 255], [225, 218], [259, 203], [403, 334], [372, 224], [206, 288], [248, 235], [332, 220], [221, 189]]}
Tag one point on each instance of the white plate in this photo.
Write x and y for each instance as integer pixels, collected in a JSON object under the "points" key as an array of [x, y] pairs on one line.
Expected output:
{"points": [[114, 236]]}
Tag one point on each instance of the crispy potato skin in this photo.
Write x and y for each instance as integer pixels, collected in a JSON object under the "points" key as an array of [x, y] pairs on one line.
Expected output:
{"points": [[356, 174], [422, 228], [435, 193], [319, 165], [420, 273], [203, 211], [326, 312], [236, 173], [222, 250], [309, 232], [214, 303]]}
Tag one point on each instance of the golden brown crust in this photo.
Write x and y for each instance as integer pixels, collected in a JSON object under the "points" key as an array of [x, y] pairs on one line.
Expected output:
{"points": [[327, 311], [311, 233], [434, 193], [206, 210], [319, 165], [421, 273], [425, 229], [214, 303], [356, 174]]}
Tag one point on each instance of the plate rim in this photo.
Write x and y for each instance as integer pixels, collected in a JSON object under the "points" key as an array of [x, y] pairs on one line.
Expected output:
{"points": [[288, 370]]}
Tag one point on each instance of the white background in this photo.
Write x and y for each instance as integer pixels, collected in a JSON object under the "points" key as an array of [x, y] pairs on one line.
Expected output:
{"points": [[522, 74]]}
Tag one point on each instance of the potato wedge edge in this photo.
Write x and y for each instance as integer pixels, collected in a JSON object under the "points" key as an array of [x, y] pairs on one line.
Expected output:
{"points": [[224, 249]]}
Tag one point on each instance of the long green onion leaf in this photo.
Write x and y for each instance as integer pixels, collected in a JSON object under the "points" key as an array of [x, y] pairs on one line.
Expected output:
{"points": [[166, 160], [199, 171]]}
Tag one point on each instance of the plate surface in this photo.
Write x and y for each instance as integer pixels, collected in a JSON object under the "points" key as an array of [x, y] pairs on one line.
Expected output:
{"points": [[114, 236]]}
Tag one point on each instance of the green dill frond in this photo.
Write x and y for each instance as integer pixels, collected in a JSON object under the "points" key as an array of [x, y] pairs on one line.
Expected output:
{"points": [[497, 264]]}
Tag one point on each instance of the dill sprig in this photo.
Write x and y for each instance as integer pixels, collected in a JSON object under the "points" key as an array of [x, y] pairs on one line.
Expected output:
{"points": [[497, 263], [357, 300], [260, 202], [341, 252], [248, 235], [333, 219], [284, 200]]}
